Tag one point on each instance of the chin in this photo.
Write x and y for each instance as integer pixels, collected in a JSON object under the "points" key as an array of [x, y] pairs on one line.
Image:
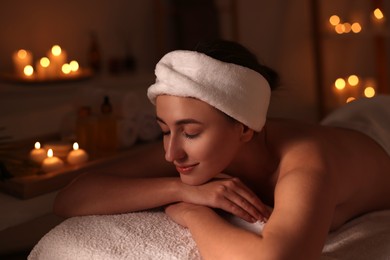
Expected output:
{"points": [[193, 181]]}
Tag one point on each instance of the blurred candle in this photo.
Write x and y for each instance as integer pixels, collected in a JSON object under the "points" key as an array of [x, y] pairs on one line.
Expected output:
{"points": [[28, 71], [51, 163], [21, 59], [77, 156], [57, 58], [43, 68], [37, 154]]}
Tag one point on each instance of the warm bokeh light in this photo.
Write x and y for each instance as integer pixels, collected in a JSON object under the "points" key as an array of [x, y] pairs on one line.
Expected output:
{"points": [[353, 80], [56, 50], [369, 92], [347, 27], [340, 28], [378, 14], [350, 99], [50, 153], [356, 28], [334, 20], [66, 68], [340, 83], [75, 146], [74, 65], [37, 145], [28, 70], [22, 54], [45, 62]]}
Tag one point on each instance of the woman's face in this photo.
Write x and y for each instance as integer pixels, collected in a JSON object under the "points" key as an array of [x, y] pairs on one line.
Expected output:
{"points": [[198, 139]]}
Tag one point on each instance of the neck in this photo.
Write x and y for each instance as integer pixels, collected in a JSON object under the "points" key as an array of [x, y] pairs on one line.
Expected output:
{"points": [[256, 165]]}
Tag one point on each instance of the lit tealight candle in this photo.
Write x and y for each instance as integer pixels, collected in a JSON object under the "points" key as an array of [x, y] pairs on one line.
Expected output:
{"points": [[77, 156], [51, 163], [57, 57], [21, 59], [38, 154]]}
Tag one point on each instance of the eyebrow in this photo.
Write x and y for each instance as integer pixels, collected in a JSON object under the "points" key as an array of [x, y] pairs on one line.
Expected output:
{"points": [[181, 121]]}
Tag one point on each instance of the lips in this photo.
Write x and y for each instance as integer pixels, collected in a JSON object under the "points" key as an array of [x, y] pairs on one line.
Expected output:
{"points": [[185, 169]]}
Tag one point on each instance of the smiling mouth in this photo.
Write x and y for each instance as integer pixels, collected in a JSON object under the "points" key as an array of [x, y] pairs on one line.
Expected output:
{"points": [[185, 169]]}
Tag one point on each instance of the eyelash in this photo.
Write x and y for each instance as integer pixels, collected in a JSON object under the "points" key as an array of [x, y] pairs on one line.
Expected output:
{"points": [[188, 136]]}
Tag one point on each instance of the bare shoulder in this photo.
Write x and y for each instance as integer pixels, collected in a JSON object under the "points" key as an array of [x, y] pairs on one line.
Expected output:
{"points": [[357, 168]]}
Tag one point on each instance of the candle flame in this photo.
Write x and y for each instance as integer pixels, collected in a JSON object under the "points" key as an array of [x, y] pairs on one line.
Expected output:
{"points": [[340, 83], [353, 80], [74, 65], [56, 50], [50, 153], [28, 70], [22, 54], [45, 62], [66, 69], [37, 145], [75, 146], [369, 92]]}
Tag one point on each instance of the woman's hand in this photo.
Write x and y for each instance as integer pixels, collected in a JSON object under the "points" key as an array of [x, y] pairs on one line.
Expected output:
{"points": [[228, 194]]}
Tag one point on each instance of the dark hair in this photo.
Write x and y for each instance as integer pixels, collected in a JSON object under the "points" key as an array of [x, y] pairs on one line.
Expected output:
{"points": [[233, 52]]}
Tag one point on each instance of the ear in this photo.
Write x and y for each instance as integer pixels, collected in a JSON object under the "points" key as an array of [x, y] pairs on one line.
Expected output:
{"points": [[246, 133]]}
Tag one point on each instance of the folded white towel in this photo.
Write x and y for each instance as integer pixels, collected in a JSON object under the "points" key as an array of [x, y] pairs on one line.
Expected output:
{"points": [[153, 235], [139, 236]]}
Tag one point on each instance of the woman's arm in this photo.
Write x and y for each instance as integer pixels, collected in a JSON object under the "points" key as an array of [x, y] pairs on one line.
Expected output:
{"points": [[297, 228], [147, 181], [123, 187]]}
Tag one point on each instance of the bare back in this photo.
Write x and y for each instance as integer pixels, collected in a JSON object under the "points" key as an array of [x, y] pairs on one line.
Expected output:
{"points": [[359, 167]]}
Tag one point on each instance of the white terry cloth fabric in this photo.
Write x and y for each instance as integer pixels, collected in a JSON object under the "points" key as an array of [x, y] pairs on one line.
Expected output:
{"points": [[239, 92], [138, 236], [366, 237], [152, 235], [370, 116]]}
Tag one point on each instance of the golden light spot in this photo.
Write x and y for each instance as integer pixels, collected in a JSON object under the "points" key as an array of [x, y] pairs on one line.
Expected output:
{"points": [[334, 20], [56, 50], [347, 27], [350, 99], [378, 14], [22, 54], [340, 28], [66, 68], [45, 62], [353, 80], [356, 28], [369, 92], [340, 83], [28, 70], [74, 65]]}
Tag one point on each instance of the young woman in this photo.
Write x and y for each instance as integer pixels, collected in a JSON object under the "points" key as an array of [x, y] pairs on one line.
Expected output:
{"points": [[211, 105]]}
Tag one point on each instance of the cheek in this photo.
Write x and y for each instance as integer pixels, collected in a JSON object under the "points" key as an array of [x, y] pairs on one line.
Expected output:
{"points": [[218, 150]]}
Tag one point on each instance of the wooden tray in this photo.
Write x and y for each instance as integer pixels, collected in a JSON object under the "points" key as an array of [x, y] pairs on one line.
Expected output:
{"points": [[29, 181]]}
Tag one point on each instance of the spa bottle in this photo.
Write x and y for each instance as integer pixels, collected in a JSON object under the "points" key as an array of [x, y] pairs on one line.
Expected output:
{"points": [[108, 138], [86, 130]]}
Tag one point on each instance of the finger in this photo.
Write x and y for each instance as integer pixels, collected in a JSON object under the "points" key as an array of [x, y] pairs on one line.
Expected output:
{"points": [[246, 206], [260, 209], [236, 210]]}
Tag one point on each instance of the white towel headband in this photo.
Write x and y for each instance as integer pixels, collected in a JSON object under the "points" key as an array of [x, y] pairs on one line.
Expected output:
{"points": [[235, 90]]}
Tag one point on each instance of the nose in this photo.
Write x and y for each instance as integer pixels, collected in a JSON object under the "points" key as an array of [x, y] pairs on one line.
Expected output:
{"points": [[173, 149]]}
